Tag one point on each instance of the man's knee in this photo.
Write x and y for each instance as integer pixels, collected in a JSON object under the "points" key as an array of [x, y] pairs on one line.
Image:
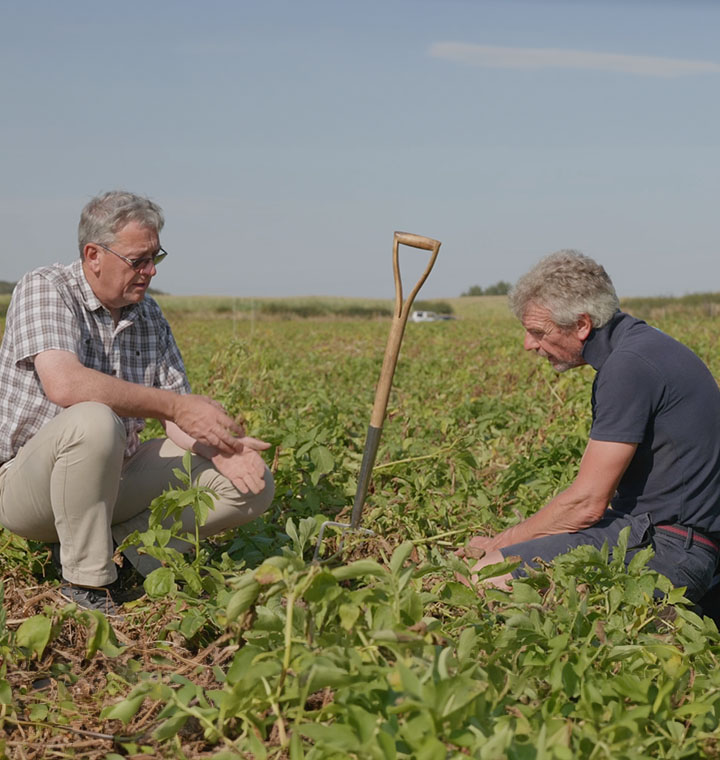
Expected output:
{"points": [[252, 505], [234, 508], [94, 426], [265, 496]]}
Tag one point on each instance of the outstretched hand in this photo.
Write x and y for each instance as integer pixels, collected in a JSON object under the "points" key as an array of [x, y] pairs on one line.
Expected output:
{"points": [[245, 468], [205, 420]]}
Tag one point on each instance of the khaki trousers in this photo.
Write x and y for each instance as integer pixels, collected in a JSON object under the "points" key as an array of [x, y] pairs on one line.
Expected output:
{"points": [[71, 483]]}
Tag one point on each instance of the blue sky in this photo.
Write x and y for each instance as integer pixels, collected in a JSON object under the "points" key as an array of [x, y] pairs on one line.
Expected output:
{"points": [[286, 140]]}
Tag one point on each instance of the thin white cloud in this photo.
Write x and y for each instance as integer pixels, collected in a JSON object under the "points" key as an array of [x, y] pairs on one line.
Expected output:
{"points": [[489, 56]]}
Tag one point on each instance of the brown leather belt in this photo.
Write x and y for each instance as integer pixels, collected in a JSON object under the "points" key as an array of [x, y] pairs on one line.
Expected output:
{"points": [[695, 535]]}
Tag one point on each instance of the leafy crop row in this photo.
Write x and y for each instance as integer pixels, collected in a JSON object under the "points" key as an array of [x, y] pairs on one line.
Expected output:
{"points": [[246, 648]]}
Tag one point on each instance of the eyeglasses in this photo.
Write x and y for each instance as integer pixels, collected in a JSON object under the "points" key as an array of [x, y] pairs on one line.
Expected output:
{"points": [[138, 264]]}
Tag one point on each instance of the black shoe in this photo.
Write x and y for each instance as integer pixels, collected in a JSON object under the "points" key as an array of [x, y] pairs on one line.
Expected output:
{"points": [[127, 587], [88, 598]]}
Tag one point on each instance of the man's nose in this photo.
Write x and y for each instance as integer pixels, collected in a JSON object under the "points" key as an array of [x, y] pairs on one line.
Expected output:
{"points": [[530, 343]]}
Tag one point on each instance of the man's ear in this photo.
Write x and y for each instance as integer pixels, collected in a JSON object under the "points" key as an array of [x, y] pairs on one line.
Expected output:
{"points": [[584, 326], [91, 257]]}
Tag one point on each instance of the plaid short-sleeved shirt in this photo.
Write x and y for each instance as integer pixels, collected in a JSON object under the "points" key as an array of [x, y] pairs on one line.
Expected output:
{"points": [[54, 308]]}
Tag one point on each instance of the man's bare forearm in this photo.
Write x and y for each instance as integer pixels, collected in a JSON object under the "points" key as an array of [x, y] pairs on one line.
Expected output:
{"points": [[580, 505], [126, 399], [67, 382], [565, 513]]}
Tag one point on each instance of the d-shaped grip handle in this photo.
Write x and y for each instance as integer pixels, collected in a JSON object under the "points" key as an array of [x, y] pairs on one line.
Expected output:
{"points": [[417, 241]]}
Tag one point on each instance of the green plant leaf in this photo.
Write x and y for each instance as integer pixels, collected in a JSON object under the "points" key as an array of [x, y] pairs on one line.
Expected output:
{"points": [[191, 622], [34, 635], [160, 582], [466, 643], [348, 614], [335, 736], [459, 595], [321, 586], [125, 710], [322, 458], [242, 600], [399, 556], [5, 692], [39, 711], [267, 574], [358, 569], [170, 727], [296, 748], [102, 637]]}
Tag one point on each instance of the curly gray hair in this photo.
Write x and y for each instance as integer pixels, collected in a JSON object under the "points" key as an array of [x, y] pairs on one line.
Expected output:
{"points": [[568, 284], [105, 214]]}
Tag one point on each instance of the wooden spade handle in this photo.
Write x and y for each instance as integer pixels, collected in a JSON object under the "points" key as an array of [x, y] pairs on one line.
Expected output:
{"points": [[417, 241], [400, 316]]}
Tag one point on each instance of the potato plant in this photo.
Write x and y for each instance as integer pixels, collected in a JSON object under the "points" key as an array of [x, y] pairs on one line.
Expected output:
{"points": [[247, 648]]}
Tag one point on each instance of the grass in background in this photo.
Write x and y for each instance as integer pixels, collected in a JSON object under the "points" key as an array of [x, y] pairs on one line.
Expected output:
{"points": [[385, 657]]}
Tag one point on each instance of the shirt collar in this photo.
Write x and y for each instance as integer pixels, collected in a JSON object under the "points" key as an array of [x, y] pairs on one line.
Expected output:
{"points": [[602, 341], [86, 292], [129, 313]]}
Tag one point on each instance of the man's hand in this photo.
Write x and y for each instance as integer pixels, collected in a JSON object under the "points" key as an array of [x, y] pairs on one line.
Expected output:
{"points": [[482, 551], [245, 468], [476, 548], [205, 420]]}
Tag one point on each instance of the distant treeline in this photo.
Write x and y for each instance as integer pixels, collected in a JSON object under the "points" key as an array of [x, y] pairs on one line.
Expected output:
{"points": [[500, 288], [705, 304], [6, 288], [654, 302], [320, 308], [292, 308]]}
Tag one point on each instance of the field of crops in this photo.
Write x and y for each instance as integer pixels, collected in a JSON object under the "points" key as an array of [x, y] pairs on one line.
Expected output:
{"points": [[249, 649]]}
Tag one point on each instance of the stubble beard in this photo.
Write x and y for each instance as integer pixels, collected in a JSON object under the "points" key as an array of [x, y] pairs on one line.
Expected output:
{"points": [[560, 366]]}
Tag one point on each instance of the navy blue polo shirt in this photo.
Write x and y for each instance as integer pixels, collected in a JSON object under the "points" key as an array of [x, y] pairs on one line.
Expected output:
{"points": [[653, 391]]}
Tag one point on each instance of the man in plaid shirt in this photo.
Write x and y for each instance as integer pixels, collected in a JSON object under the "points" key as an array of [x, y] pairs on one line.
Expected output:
{"points": [[86, 357]]}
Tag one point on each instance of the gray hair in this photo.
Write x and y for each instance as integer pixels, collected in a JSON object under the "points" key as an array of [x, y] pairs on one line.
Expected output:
{"points": [[108, 213], [568, 284]]}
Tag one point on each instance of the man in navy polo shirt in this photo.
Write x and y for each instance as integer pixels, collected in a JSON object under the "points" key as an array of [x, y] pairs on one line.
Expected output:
{"points": [[653, 459]]}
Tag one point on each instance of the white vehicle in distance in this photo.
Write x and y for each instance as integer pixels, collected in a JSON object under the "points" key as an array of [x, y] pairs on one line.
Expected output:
{"points": [[423, 316], [429, 316]]}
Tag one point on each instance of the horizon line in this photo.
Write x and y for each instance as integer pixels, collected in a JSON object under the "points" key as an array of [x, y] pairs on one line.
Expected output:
{"points": [[519, 58]]}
